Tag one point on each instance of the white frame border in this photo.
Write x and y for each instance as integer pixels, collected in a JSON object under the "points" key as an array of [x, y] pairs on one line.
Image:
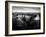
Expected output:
{"points": [[23, 31]]}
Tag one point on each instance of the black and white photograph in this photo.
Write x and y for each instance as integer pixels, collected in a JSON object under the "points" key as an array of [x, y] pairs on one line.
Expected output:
{"points": [[24, 18]]}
